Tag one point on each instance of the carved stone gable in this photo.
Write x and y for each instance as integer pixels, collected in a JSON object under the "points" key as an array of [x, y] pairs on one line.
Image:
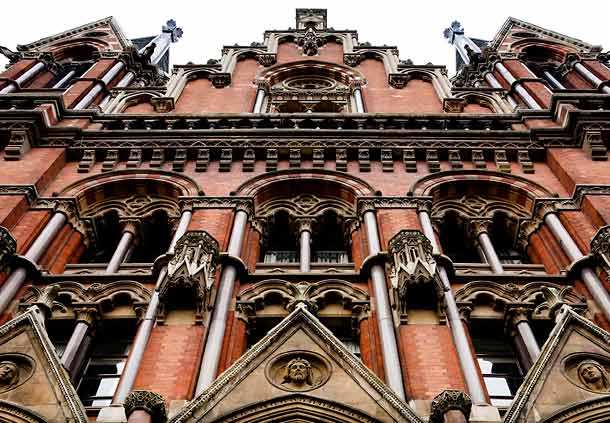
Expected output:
{"points": [[302, 372], [576, 357], [32, 380]]}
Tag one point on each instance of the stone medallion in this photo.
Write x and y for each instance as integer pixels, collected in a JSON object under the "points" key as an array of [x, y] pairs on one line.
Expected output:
{"points": [[588, 371], [298, 371], [15, 370]]}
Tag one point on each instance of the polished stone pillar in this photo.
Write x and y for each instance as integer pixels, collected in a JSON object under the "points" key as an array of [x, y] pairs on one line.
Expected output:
{"points": [[97, 88], [527, 345], [554, 82], [523, 93], [80, 341], [144, 330], [458, 332], [589, 277], [304, 244], [385, 322], [213, 346], [479, 229], [24, 78], [358, 100], [589, 76], [260, 98], [125, 243], [67, 77], [16, 279]]}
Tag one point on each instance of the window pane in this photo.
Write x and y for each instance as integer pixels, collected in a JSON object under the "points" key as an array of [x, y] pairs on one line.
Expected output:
{"points": [[504, 403], [98, 387], [497, 387]]}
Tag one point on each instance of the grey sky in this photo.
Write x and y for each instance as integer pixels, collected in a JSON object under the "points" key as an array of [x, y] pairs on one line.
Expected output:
{"points": [[414, 26]]}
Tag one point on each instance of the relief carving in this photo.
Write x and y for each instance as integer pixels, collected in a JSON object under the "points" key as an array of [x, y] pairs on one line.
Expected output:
{"points": [[589, 372], [298, 371], [15, 370]]}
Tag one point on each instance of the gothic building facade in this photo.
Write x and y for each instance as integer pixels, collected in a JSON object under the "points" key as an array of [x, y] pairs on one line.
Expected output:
{"points": [[307, 229]]}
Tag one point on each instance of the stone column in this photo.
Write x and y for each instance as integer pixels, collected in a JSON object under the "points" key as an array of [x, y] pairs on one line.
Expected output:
{"points": [[213, 346], [145, 407], [144, 330], [305, 244], [588, 276], [588, 75], [16, 279], [479, 229], [554, 82], [97, 88], [80, 340], [458, 332], [67, 77], [125, 243], [450, 406], [493, 82], [358, 98], [385, 322], [260, 98], [24, 77], [523, 93], [518, 323]]}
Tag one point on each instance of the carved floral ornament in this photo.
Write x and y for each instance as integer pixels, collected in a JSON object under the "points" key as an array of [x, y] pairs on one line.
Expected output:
{"points": [[600, 245], [8, 247]]}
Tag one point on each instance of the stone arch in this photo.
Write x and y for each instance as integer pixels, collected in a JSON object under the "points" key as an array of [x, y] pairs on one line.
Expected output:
{"points": [[596, 410], [510, 193], [482, 100], [13, 413], [296, 407], [112, 191], [62, 50], [542, 50], [130, 100], [283, 71]]}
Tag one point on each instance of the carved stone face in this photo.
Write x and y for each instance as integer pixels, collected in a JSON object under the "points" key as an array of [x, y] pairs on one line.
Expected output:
{"points": [[298, 371], [9, 373], [593, 375]]}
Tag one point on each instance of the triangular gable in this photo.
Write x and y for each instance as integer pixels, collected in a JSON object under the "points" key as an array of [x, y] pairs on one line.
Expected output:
{"points": [[553, 386], [37, 382], [115, 40], [259, 378], [513, 25]]}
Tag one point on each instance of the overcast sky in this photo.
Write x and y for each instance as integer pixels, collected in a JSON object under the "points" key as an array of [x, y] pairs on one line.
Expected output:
{"points": [[414, 26]]}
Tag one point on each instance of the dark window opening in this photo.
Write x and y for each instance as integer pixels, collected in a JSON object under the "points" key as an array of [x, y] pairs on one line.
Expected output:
{"points": [[154, 238], [281, 245], [106, 362], [328, 241], [455, 239], [502, 372], [107, 235], [342, 328], [502, 233], [261, 327]]}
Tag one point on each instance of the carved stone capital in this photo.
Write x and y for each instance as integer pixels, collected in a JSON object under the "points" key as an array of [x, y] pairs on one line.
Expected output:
{"points": [[220, 80], [150, 402], [478, 226], [600, 243], [266, 59], [86, 314], [398, 80], [447, 401], [8, 247], [516, 314], [46, 299], [162, 104], [304, 224], [454, 105], [352, 59]]}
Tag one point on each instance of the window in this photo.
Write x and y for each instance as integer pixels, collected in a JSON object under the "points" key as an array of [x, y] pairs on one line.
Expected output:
{"points": [[107, 359], [310, 94], [456, 241], [341, 327], [502, 233], [328, 241], [281, 243], [502, 372]]}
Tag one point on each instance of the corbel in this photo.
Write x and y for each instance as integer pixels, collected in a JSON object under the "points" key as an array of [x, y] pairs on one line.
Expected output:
{"points": [[272, 158], [220, 80], [593, 144], [111, 160], [248, 160], [86, 162], [203, 160], [387, 160], [398, 80], [157, 159], [364, 159], [341, 160], [295, 158], [454, 105], [408, 158], [478, 159], [318, 157], [455, 160], [432, 160], [226, 160], [135, 158], [266, 59], [20, 142], [179, 160], [352, 59], [523, 156], [502, 161], [163, 104]]}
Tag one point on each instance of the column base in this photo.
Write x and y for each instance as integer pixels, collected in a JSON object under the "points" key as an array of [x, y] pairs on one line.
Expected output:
{"points": [[484, 413], [114, 413]]}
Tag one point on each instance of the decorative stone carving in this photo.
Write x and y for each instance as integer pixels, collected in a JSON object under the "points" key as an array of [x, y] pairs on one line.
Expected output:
{"points": [[448, 400], [600, 245], [162, 104], [352, 59], [310, 41], [8, 247], [454, 105], [192, 267], [398, 80], [220, 80], [150, 402], [589, 372], [411, 263], [15, 369], [298, 371], [266, 59]]}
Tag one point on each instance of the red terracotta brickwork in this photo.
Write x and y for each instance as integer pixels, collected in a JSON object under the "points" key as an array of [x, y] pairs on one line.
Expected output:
{"points": [[392, 221], [215, 222]]}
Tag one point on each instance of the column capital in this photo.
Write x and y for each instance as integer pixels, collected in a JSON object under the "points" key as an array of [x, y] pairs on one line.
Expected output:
{"points": [[304, 224], [447, 401], [150, 402], [130, 225], [86, 313], [479, 226]]}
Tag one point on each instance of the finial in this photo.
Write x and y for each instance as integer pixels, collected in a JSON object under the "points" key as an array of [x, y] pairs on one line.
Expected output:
{"points": [[455, 28], [171, 27]]}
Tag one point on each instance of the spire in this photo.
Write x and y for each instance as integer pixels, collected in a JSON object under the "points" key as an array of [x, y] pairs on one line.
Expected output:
{"points": [[463, 45], [158, 46]]}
